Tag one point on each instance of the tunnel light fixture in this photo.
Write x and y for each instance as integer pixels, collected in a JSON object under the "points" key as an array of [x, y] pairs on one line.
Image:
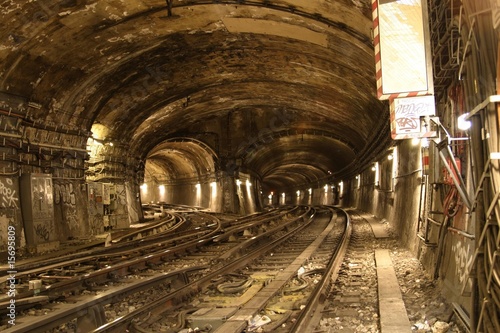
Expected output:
{"points": [[326, 188], [144, 187], [272, 193], [390, 157], [270, 196], [298, 193], [213, 184], [248, 183], [238, 182], [424, 143], [198, 186], [377, 173], [415, 141], [162, 189], [310, 191], [283, 194], [462, 122]]}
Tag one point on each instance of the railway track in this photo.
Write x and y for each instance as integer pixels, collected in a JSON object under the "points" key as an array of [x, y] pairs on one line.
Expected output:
{"points": [[78, 297], [255, 285]]}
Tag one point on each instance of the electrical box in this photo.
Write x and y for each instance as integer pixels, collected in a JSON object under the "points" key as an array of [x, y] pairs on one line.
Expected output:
{"points": [[38, 211]]}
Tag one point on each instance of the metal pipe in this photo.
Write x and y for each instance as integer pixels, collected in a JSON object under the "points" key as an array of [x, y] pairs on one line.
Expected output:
{"points": [[461, 232], [18, 136]]}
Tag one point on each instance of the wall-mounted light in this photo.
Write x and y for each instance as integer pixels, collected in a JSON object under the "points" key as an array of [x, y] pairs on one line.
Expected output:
{"points": [[283, 195], [238, 182], [424, 143], [310, 191], [248, 183], [390, 157], [213, 185], [298, 193], [326, 188], [462, 123], [144, 187], [198, 186], [162, 189]]}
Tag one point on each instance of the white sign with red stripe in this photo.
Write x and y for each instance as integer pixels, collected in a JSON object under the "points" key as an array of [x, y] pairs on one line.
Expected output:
{"points": [[402, 51]]}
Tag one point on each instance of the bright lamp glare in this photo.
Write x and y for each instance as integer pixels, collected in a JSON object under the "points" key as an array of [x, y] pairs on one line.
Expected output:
{"points": [[462, 123]]}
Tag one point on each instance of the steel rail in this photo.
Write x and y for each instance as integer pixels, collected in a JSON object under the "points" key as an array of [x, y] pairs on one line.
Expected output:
{"points": [[153, 229], [92, 256], [67, 312], [313, 309], [76, 282], [33, 264], [70, 312], [156, 308]]}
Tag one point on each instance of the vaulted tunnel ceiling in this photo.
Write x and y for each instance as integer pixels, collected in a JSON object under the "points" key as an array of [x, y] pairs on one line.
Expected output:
{"points": [[285, 87]]}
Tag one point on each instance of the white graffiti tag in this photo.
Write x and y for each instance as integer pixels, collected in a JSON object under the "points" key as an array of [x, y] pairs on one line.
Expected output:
{"points": [[9, 196], [463, 260]]}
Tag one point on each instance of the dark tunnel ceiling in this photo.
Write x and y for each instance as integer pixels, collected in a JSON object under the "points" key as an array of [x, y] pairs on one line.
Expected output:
{"points": [[285, 87]]}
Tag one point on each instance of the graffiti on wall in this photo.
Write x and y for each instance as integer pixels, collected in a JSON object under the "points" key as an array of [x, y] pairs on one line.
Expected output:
{"points": [[10, 198], [43, 232], [64, 196], [463, 254]]}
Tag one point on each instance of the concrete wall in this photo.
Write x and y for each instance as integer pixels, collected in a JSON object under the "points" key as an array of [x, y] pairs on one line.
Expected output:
{"points": [[399, 203]]}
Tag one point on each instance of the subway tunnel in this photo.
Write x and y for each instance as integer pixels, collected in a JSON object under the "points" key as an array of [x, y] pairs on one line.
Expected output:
{"points": [[237, 107]]}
